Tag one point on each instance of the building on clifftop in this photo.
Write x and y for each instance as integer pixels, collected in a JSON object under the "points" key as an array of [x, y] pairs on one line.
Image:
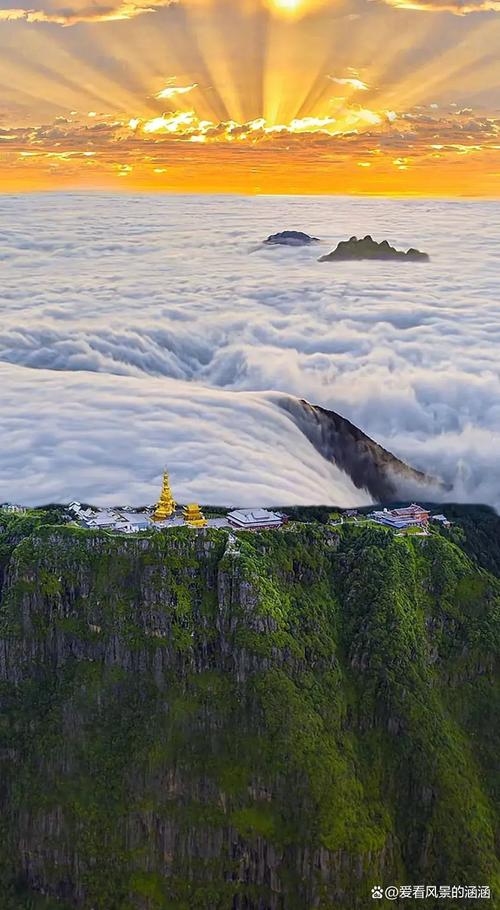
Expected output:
{"points": [[413, 516], [255, 519], [193, 516]]}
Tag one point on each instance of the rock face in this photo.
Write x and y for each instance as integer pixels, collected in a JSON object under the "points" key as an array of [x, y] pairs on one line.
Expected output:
{"points": [[367, 248], [368, 464], [273, 725], [291, 238]]}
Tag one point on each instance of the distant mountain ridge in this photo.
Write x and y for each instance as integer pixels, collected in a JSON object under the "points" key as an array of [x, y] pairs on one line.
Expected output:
{"points": [[368, 464], [368, 248], [291, 238]]}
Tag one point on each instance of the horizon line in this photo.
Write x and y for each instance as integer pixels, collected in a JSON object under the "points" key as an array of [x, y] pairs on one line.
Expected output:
{"points": [[139, 191]]}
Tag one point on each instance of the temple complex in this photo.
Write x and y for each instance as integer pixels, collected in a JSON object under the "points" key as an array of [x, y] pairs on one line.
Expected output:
{"points": [[193, 516], [413, 516], [165, 507]]}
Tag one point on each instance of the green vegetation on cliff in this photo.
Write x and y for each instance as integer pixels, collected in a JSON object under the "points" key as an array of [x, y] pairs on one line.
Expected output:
{"points": [[276, 722]]}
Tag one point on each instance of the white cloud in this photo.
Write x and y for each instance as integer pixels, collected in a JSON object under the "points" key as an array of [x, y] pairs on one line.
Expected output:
{"points": [[138, 331], [170, 91], [107, 438], [357, 84]]}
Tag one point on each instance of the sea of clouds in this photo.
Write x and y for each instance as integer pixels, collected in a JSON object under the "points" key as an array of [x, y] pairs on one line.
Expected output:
{"points": [[141, 331]]}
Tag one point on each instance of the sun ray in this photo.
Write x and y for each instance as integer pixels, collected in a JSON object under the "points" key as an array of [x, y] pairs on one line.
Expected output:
{"points": [[255, 93]]}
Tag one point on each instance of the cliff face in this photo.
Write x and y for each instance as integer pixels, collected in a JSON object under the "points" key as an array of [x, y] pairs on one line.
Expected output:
{"points": [[369, 466], [275, 723]]}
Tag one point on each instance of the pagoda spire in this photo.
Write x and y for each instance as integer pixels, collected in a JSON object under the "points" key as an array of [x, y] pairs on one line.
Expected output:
{"points": [[166, 504]]}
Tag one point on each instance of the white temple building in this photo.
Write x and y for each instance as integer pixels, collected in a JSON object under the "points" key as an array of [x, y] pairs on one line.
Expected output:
{"points": [[255, 519]]}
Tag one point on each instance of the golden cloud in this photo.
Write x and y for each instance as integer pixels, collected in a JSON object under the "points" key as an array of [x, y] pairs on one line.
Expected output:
{"points": [[61, 13], [458, 7], [77, 11], [95, 11], [187, 124], [355, 126], [413, 151]]}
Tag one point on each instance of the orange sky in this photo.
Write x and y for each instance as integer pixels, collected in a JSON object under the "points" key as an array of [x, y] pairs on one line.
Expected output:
{"points": [[254, 96]]}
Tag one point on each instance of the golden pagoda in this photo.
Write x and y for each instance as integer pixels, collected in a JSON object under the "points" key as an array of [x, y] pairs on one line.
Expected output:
{"points": [[166, 504], [193, 516]]}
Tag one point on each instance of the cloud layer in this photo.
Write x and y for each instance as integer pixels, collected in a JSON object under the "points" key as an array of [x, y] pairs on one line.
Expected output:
{"points": [[363, 148], [65, 14], [142, 330], [458, 7], [107, 440], [62, 13]]}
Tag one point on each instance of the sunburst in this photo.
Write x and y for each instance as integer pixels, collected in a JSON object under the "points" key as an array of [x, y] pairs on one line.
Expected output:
{"points": [[288, 6]]}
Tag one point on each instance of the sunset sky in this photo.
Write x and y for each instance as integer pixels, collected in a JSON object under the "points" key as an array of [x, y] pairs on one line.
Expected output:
{"points": [[254, 96]]}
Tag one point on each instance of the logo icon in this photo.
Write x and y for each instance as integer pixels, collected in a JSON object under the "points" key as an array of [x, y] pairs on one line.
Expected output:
{"points": [[377, 892]]}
